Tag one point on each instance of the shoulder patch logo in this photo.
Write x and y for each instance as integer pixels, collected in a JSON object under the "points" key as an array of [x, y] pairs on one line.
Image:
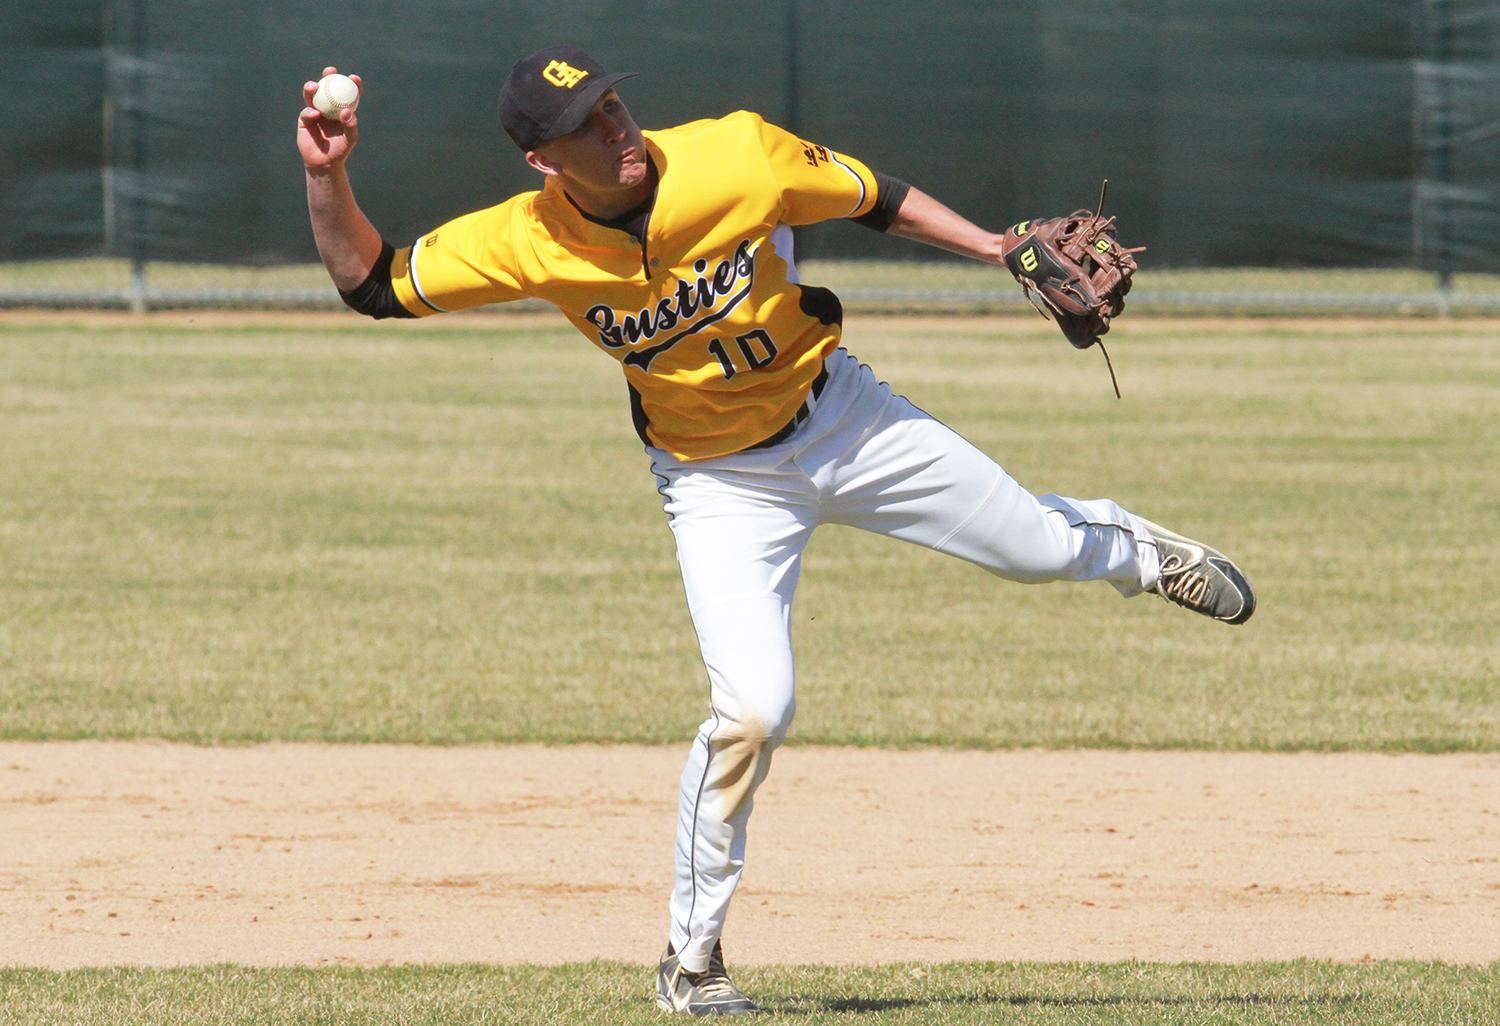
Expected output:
{"points": [[563, 75], [814, 153]]}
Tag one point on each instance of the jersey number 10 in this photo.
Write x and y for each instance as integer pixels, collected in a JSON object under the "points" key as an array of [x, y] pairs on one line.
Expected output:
{"points": [[747, 343]]}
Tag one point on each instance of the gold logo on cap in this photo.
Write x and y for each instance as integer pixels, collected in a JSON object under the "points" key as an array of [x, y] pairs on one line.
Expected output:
{"points": [[560, 73]]}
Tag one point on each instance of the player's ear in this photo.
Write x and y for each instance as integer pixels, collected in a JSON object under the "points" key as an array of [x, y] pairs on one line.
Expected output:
{"points": [[541, 162]]}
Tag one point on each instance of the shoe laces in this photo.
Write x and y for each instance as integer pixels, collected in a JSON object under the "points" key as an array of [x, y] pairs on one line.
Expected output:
{"points": [[713, 981], [1177, 582]]}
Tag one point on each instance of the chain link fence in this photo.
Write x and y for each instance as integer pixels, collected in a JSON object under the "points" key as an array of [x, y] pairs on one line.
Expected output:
{"points": [[864, 286], [1262, 133]]}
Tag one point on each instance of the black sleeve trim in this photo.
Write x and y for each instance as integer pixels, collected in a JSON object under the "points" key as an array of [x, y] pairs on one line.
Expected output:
{"points": [[376, 296], [890, 193]]}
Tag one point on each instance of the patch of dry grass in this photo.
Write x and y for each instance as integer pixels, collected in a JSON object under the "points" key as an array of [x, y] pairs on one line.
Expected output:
{"points": [[1142, 994], [449, 534]]}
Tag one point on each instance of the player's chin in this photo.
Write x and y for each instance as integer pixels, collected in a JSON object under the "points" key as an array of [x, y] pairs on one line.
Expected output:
{"points": [[632, 171]]}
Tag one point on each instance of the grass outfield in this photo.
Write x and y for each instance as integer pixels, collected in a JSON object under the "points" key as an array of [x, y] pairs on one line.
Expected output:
{"points": [[1379, 994], [447, 533]]}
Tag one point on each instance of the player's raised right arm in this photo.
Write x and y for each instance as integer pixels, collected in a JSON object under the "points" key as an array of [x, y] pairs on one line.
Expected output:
{"points": [[347, 241]]}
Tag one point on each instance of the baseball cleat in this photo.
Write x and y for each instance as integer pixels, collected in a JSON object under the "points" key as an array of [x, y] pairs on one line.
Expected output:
{"points": [[1199, 578], [705, 993]]}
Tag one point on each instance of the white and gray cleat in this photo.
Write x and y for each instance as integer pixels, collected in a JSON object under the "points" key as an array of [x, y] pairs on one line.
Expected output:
{"points": [[1199, 578], [705, 993]]}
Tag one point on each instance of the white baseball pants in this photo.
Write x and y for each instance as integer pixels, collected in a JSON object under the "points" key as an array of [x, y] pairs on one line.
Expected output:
{"points": [[869, 459]]}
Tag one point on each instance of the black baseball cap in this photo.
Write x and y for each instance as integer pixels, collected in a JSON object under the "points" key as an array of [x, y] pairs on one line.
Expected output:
{"points": [[551, 93]]}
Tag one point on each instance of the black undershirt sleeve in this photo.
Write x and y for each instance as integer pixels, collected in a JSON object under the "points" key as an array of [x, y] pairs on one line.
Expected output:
{"points": [[890, 193], [376, 296]]}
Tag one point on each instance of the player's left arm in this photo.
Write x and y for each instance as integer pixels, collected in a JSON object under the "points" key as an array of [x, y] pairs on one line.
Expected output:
{"points": [[819, 184], [923, 219]]}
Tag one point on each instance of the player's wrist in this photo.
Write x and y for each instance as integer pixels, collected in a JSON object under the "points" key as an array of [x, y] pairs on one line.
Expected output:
{"points": [[330, 171], [993, 249]]}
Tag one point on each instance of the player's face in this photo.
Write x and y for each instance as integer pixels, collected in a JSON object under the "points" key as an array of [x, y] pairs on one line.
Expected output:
{"points": [[606, 154]]}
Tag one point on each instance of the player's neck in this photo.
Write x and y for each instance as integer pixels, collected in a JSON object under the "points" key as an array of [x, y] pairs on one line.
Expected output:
{"points": [[606, 206], [609, 203]]}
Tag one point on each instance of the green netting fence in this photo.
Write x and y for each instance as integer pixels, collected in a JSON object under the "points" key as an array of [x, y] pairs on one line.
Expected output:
{"points": [[1235, 133]]}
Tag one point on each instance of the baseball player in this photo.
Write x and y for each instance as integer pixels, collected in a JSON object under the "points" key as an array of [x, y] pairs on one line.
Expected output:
{"points": [[671, 251]]}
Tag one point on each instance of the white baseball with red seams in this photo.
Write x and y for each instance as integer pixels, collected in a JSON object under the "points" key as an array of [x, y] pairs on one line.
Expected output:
{"points": [[335, 93]]}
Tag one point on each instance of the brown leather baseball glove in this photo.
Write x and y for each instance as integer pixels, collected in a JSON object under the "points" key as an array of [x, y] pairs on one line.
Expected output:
{"points": [[1076, 266]]}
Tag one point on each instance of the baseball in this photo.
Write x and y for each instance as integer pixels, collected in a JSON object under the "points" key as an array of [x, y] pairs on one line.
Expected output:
{"points": [[335, 92]]}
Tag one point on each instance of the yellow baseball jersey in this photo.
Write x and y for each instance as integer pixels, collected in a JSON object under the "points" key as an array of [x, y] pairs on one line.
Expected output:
{"points": [[718, 342]]}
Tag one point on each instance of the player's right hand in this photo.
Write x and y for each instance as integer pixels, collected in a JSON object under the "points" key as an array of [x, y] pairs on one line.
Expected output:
{"points": [[324, 142]]}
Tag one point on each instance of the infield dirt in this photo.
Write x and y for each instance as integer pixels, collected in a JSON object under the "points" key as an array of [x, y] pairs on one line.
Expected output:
{"points": [[115, 853]]}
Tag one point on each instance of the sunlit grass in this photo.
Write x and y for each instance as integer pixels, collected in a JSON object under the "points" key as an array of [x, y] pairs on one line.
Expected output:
{"points": [[440, 534], [1284, 994]]}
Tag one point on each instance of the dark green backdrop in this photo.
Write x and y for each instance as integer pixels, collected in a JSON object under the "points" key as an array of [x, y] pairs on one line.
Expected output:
{"points": [[1252, 132]]}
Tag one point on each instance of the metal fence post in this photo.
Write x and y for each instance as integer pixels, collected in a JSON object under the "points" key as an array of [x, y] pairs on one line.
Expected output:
{"points": [[1434, 143], [124, 168]]}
